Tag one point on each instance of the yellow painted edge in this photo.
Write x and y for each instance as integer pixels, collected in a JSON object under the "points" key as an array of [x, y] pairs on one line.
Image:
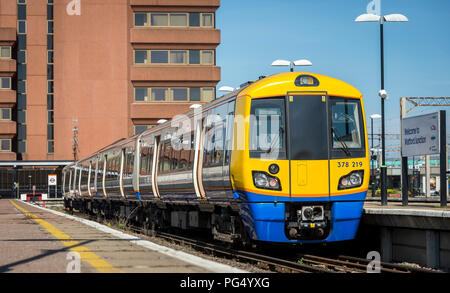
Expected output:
{"points": [[86, 255]]}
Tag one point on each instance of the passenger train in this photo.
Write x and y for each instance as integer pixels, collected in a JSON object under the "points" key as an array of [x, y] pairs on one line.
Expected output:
{"points": [[283, 159]]}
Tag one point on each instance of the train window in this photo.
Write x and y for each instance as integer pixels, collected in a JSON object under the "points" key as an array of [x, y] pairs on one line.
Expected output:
{"points": [[146, 160], [346, 128], [267, 137], [165, 158], [129, 163]]}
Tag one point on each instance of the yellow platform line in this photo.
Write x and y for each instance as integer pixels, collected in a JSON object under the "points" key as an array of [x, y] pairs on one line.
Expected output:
{"points": [[86, 255]]}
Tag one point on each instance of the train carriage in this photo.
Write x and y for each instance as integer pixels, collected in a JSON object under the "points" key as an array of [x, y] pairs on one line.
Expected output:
{"points": [[283, 159]]}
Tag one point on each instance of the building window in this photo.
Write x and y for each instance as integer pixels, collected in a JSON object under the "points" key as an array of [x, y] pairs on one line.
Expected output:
{"points": [[22, 147], [22, 57], [21, 27], [159, 94], [22, 87], [50, 27], [140, 57], [207, 19], [21, 131], [194, 19], [22, 117], [141, 94], [50, 119], [207, 57], [50, 87], [49, 102], [208, 94], [50, 146], [159, 19], [5, 83], [50, 57], [140, 19], [175, 19], [159, 57], [180, 94], [5, 145], [5, 52], [21, 12], [195, 94], [5, 114], [176, 57], [175, 94], [178, 19], [138, 129]]}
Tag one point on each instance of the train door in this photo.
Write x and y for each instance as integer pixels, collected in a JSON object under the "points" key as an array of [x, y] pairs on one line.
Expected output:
{"points": [[308, 149], [198, 157]]}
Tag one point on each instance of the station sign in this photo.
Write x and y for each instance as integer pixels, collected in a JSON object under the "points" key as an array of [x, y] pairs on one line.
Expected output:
{"points": [[52, 179], [420, 135]]}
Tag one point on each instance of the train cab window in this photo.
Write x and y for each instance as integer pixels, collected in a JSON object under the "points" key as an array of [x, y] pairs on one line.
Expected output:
{"points": [[346, 128], [267, 129]]}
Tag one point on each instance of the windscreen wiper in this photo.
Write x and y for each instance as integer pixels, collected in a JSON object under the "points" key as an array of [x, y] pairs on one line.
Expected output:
{"points": [[275, 141], [343, 147]]}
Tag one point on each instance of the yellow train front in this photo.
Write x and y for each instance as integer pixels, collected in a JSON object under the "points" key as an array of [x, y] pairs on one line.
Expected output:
{"points": [[300, 164]]}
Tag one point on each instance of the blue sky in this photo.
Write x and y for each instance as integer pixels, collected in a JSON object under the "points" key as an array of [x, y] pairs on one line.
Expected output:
{"points": [[417, 54]]}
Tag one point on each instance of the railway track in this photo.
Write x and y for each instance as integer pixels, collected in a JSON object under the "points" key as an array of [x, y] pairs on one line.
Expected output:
{"points": [[306, 263]]}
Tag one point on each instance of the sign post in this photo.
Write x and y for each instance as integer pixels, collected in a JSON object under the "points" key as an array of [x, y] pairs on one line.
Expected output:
{"points": [[52, 181], [425, 135], [443, 158]]}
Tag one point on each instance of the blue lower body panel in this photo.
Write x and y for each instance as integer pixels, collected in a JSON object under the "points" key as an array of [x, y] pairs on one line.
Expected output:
{"points": [[265, 221]]}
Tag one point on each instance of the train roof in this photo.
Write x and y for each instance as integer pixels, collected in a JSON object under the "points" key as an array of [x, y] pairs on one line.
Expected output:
{"points": [[282, 83]]}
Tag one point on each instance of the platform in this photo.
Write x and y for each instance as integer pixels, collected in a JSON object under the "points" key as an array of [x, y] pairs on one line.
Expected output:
{"points": [[33, 239], [417, 233]]}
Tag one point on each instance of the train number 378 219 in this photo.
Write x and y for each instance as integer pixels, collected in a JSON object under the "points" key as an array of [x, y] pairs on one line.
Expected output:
{"points": [[349, 164]]}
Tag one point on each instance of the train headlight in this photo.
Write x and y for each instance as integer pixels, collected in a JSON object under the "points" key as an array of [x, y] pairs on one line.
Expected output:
{"points": [[351, 180], [265, 181]]}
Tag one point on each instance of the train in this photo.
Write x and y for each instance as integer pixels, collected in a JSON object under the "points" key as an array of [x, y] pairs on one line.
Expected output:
{"points": [[283, 159]]}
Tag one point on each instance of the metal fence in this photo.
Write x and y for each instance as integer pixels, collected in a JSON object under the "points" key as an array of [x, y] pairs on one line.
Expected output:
{"points": [[26, 178]]}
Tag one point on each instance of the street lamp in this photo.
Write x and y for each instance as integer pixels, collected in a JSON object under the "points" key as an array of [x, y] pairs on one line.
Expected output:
{"points": [[373, 116], [383, 94], [301, 62]]}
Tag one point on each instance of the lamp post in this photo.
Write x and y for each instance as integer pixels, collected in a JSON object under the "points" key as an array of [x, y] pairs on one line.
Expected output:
{"points": [[373, 116], [382, 93], [302, 62]]}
